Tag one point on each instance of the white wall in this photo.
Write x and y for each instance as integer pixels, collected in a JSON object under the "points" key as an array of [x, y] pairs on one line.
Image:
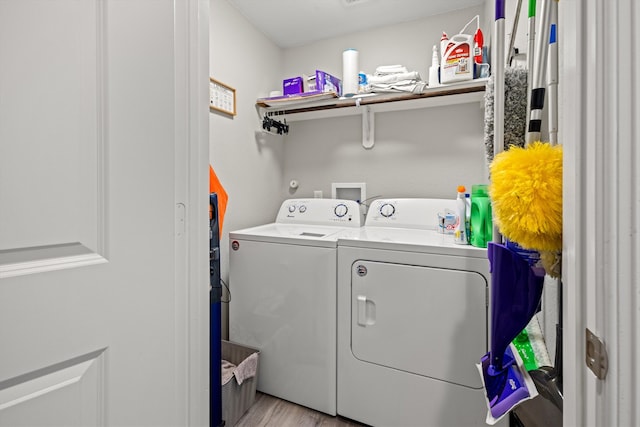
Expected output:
{"points": [[251, 171], [418, 153]]}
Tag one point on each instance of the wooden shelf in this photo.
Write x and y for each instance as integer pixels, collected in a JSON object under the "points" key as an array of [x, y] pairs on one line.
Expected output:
{"points": [[309, 109]]}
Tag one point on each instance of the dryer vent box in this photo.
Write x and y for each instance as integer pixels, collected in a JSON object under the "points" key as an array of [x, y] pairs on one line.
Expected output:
{"points": [[350, 191]]}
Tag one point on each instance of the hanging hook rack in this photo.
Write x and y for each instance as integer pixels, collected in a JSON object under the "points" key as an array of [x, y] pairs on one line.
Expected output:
{"points": [[281, 127]]}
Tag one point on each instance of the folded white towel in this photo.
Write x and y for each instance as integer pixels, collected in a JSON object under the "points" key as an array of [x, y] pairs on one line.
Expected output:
{"points": [[390, 69], [410, 86], [394, 78]]}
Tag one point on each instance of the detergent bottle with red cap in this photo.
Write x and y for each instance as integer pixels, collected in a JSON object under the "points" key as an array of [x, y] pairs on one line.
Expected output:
{"points": [[478, 41], [460, 230], [444, 42], [458, 56]]}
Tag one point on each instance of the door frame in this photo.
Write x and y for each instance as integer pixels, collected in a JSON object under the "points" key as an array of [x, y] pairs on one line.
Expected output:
{"points": [[192, 206], [599, 130]]}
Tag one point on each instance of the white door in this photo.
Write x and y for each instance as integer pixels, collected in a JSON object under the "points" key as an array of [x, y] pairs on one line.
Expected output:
{"points": [[102, 315]]}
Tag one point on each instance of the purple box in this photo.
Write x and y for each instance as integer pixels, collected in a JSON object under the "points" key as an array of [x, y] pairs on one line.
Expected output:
{"points": [[325, 82], [292, 86]]}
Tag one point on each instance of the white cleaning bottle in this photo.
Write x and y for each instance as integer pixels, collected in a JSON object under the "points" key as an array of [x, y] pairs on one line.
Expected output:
{"points": [[459, 231], [434, 69]]}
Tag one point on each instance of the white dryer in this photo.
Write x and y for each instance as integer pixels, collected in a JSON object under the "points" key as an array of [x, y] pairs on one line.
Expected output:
{"points": [[282, 280], [412, 320]]}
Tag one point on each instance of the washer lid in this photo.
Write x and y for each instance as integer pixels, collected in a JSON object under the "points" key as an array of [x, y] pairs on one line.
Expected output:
{"points": [[408, 240], [298, 234]]}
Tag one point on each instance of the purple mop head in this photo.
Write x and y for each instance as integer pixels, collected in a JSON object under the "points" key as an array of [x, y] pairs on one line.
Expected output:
{"points": [[516, 288], [507, 387]]}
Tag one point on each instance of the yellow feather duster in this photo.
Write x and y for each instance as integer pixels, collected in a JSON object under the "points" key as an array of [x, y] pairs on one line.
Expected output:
{"points": [[526, 195]]}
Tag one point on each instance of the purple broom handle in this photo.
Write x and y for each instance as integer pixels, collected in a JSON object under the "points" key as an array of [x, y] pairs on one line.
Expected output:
{"points": [[499, 9]]}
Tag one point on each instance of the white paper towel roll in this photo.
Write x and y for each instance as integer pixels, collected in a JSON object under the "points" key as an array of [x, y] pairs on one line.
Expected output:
{"points": [[350, 72]]}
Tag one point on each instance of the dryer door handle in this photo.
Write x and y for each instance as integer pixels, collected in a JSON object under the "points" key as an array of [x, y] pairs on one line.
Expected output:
{"points": [[366, 311]]}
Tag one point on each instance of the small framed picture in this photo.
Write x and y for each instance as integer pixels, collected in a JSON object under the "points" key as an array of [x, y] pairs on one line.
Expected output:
{"points": [[222, 97]]}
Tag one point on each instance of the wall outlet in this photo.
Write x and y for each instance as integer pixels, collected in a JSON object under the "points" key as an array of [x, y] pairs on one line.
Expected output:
{"points": [[317, 194]]}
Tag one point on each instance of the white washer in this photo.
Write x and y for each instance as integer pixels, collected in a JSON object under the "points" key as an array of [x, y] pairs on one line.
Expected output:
{"points": [[282, 279], [412, 320]]}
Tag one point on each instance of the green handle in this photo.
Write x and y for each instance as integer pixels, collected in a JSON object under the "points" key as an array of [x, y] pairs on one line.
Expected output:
{"points": [[532, 8]]}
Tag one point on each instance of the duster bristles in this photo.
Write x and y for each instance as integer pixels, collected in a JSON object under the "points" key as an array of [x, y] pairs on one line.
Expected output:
{"points": [[552, 263], [526, 195]]}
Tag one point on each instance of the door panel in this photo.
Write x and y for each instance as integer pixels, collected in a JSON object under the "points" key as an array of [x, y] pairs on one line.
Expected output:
{"points": [[51, 108], [67, 394], [283, 302], [103, 316]]}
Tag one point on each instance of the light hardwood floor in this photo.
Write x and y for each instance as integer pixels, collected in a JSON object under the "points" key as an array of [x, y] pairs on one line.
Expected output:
{"points": [[273, 412]]}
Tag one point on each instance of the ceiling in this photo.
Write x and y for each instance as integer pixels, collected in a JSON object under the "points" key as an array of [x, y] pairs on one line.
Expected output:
{"points": [[290, 23]]}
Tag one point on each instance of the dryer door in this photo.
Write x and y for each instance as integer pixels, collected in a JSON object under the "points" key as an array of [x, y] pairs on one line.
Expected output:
{"points": [[421, 320]]}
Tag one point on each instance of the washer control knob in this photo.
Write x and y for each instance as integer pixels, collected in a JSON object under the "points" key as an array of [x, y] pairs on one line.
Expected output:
{"points": [[341, 210], [302, 209], [292, 208], [387, 210]]}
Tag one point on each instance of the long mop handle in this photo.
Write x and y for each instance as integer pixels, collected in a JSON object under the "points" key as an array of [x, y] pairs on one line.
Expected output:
{"points": [[531, 47], [514, 31], [498, 97], [553, 139], [540, 66], [552, 76]]}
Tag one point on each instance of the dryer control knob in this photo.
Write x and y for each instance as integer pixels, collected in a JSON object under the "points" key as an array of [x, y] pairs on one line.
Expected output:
{"points": [[387, 210], [341, 210], [302, 209], [292, 208]]}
